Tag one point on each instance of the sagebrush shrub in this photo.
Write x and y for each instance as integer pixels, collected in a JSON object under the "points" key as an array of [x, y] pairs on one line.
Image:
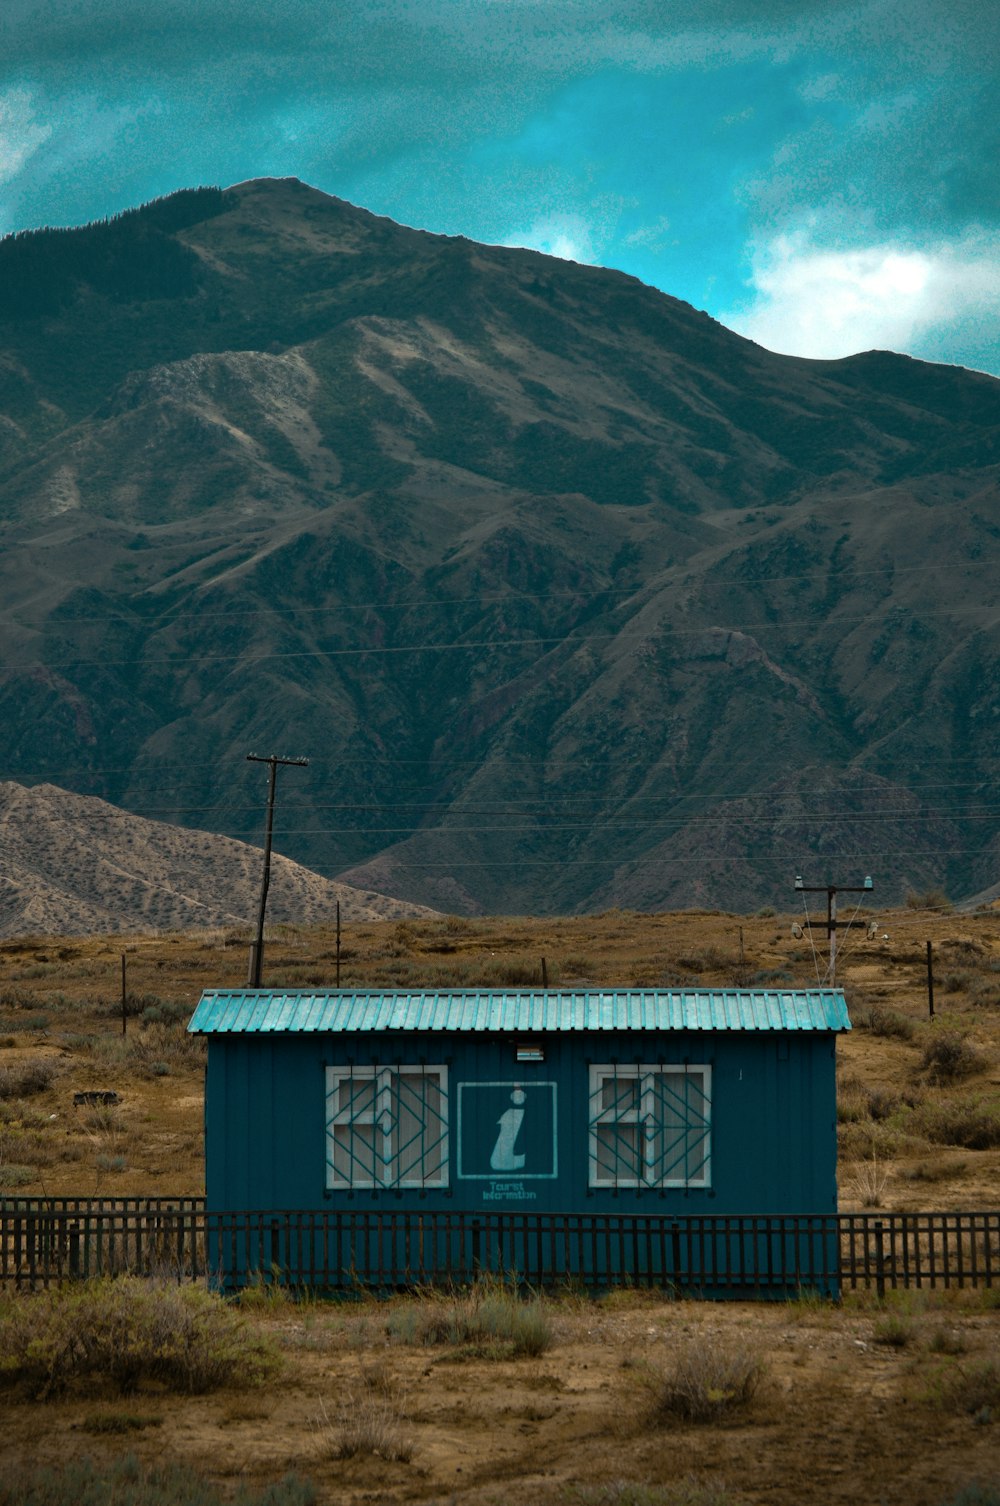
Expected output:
{"points": [[974, 1124], [22, 1079], [83, 1483], [122, 1331], [976, 1495], [949, 1056], [889, 1023]]}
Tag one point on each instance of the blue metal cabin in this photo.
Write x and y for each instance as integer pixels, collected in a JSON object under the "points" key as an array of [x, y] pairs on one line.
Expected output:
{"points": [[622, 1102]]}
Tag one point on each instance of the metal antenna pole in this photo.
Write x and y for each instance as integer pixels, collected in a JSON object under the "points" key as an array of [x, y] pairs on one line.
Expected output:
{"points": [[257, 948], [831, 891]]}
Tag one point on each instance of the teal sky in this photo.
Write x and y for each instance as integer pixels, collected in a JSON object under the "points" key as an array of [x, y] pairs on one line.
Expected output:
{"points": [[818, 174]]}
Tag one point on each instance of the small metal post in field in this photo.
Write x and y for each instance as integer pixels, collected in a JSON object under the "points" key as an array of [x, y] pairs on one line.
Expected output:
{"points": [[124, 1000], [545, 974], [930, 980]]}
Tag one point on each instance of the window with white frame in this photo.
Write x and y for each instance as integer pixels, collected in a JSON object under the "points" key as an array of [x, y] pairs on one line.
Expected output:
{"points": [[387, 1126], [650, 1126]]}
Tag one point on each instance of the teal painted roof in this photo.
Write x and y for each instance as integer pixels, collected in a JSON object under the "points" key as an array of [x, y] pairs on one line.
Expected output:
{"points": [[520, 1010]]}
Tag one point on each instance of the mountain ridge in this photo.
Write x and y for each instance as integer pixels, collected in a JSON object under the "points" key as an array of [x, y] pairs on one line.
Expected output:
{"points": [[541, 567], [75, 865]]}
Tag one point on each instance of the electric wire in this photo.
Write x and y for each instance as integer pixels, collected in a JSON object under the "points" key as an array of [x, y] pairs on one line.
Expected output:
{"points": [[249, 658], [512, 597]]}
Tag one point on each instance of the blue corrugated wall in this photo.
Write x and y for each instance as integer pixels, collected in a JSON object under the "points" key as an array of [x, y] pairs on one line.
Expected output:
{"points": [[773, 1122]]}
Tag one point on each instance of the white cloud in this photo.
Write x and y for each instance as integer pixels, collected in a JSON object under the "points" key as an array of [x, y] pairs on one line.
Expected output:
{"points": [[652, 237], [564, 235], [20, 133], [810, 301]]}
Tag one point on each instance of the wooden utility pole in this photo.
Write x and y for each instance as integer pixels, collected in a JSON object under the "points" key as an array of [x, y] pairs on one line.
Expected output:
{"points": [[257, 948], [831, 891]]}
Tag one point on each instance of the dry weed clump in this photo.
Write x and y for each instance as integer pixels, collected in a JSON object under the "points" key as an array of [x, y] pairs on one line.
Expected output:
{"points": [[367, 1419], [869, 1182], [894, 1330], [123, 1331], [490, 1321], [970, 1386], [705, 1382], [691, 1491]]}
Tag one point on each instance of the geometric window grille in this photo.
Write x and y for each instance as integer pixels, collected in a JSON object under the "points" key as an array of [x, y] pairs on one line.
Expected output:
{"points": [[387, 1126], [650, 1126]]}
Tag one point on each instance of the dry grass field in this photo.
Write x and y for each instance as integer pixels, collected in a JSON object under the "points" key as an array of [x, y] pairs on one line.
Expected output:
{"points": [[919, 1101], [429, 1398]]}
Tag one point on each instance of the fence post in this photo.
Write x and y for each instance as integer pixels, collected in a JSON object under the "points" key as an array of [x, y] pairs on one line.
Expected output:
{"points": [[477, 1252], [273, 1274], [74, 1248], [879, 1261]]}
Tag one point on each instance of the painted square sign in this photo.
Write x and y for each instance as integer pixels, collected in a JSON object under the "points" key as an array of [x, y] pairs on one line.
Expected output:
{"points": [[507, 1136]]}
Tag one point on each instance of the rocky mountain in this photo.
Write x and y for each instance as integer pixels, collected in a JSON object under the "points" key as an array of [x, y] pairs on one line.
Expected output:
{"points": [[70, 864], [571, 596]]}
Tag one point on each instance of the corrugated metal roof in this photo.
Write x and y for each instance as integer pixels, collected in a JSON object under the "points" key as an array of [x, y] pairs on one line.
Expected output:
{"points": [[520, 1010]]}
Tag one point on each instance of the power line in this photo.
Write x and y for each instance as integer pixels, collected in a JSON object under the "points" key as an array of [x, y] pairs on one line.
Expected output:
{"points": [[542, 827], [249, 659], [751, 859], [631, 820], [588, 590], [437, 764]]}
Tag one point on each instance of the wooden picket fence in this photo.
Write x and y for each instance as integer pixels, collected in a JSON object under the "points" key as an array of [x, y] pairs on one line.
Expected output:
{"points": [[46, 1241]]}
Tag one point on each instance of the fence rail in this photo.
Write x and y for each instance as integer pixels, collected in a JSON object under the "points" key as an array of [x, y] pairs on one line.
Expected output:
{"points": [[45, 1241]]}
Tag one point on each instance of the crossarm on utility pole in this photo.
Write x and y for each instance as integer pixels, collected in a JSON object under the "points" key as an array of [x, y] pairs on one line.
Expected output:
{"points": [[831, 891]]}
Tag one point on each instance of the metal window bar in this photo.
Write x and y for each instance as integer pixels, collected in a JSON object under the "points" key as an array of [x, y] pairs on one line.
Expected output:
{"points": [[387, 1127], [649, 1126]]}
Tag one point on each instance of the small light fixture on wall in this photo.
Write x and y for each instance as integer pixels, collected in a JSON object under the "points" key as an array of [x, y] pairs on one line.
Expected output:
{"points": [[529, 1052]]}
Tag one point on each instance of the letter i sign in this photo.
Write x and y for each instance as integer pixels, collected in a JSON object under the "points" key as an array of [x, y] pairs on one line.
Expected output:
{"points": [[507, 1129]]}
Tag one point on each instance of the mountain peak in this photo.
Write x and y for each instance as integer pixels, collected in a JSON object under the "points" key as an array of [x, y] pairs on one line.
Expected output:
{"points": [[571, 596]]}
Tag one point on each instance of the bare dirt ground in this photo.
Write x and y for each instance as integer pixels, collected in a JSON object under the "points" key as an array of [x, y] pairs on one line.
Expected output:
{"points": [[849, 1410], [840, 1416]]}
